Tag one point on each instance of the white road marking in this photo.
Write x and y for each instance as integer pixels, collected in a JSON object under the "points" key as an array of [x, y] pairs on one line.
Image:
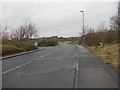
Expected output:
{"points": [[15, 68], [77, 66], [14, 61], [21, 65], [42, 56], [45, 55]]}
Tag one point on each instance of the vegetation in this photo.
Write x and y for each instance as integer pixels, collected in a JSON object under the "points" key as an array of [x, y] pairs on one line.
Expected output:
{"points": [[104, 43], [48, 43], [102, 34], [27, 46], [109, 53], [105, 37], [12, 47], [19, 39]]}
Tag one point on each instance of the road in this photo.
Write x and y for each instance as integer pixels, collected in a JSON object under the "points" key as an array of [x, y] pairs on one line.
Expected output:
{"points": [[63, 66]]}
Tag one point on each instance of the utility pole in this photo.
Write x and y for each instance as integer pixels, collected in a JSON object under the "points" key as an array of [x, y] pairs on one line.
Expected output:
{"points": [[83, 36]]}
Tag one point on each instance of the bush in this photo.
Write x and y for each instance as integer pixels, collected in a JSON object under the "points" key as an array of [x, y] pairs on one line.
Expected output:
{"points": [[27, 46], [42, 43], [107, 37], [51, 43], [10, 49], [48, 43], [92, 39]]}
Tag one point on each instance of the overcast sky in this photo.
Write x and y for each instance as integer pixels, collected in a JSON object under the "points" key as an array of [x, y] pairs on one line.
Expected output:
{"points": [[64, 17]]}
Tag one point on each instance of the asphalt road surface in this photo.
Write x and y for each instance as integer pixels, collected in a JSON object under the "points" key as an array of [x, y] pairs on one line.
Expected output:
{"points": [[63, 66]]}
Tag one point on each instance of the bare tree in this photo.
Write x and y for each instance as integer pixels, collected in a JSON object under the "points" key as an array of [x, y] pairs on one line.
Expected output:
{"points": [[4, 32], [25, 31], [88, 29], [114, 22], [101, 27]]}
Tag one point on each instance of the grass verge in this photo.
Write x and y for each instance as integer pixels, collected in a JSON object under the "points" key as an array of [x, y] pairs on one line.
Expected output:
{"points": [[8, 49], [108, 52]]}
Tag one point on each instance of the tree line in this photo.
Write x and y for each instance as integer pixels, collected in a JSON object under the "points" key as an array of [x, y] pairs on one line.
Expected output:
{"points": [[24, 31]]}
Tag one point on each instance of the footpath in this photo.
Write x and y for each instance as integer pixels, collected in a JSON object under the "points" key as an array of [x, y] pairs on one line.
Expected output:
{"points": [[94, 73]]}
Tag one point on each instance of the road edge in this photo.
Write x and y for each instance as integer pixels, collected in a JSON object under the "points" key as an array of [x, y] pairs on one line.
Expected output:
{"points": [[76, 82], [22, 53]]}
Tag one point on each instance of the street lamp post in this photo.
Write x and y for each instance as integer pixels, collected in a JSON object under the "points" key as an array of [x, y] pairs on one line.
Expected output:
{"points": [[83, 28]]}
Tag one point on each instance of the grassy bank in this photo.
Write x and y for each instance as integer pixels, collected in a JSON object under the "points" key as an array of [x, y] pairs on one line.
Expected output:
{"points": [[17, 47], [108, 52]]}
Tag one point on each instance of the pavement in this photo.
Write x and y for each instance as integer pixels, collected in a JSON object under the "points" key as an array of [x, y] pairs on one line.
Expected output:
{"points": [[63, 66], [93, 73]]}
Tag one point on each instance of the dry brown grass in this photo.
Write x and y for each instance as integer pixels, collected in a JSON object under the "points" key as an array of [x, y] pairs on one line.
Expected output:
{"points": [[109, 53]]}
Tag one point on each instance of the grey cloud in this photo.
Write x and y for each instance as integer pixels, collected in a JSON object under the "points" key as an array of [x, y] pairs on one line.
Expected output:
{"points": [[66, 17]]}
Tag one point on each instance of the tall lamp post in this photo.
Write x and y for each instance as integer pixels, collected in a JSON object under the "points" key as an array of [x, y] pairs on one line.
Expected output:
{"points": [[83, 28]]}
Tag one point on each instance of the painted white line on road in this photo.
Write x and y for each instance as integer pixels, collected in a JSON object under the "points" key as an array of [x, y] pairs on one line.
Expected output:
{"points": [[21, 65], [15, 68], [14, 61], [77, 66], [45, 55]]}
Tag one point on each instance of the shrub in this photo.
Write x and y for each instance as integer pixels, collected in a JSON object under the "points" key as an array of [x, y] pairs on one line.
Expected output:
{"points": [[27, 46], [51, 43], [42, 43], [47, 43], [106, 37], [10, 49]]}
